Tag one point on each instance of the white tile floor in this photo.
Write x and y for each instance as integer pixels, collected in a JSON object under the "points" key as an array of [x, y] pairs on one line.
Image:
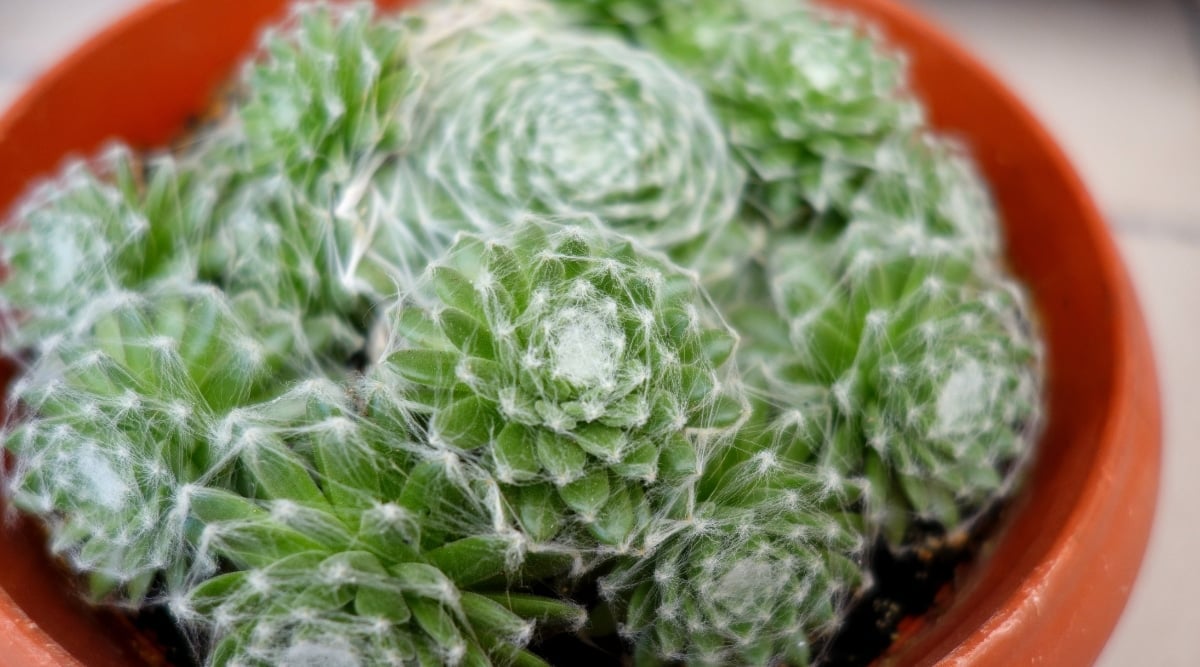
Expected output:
{"points": [[1159, 628], [1118, 81], [35, 33], [8, 92]]}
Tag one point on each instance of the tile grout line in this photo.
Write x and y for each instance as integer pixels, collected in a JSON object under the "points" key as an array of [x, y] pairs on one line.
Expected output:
{"points": [[1191, 14], [1186, 234]]}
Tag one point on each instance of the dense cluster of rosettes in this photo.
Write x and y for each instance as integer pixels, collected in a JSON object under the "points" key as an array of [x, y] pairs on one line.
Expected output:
{"points": [[455, 313]]}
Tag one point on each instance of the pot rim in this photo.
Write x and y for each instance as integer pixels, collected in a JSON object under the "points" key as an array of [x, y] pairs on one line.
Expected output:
{"points": [[1001, 633]]}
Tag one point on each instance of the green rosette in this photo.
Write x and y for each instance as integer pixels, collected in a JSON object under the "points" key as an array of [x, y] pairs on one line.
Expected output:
{"points": [[524, 119], [120, 419], [350, 544], [810, 102], [577, 368], [913, 364], [315, 120], [757, 569], [118, 223]]}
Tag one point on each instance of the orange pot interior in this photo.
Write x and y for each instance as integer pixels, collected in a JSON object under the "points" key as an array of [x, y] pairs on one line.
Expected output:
{"points": [[1057, 577]]}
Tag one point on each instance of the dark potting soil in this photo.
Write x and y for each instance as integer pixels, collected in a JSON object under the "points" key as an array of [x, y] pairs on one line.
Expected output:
{"points": [[906, 586], [159, 640]]}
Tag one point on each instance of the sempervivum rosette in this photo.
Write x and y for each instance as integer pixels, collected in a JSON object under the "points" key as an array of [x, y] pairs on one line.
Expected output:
{"points": [[917, 363], [121, 415], [350, 544], [551, 121], [757, 571], [331, 97], [810, 103], [576, 367], [118, 223], [315, 120], [932, 188]]}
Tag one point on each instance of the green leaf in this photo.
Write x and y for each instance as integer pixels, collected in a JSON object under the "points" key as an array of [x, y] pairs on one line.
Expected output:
{"points": [[484, 376], [423, 581], [357, 563], [562, 459], [507, 270], [724, 411], [697, 383], [546, 611], [426, 495], [426, 652], [616, 521], [247, 534], [719, 345], [281, 473], [931, 500], [492, 618], [341, 578], [515, 455], [229, 649], [467, 333], [642, 608], [575, 253], [215, 591], [507, 654], [678, 460], [539, 510], [415, 327], [373, 602], [394, 538], [471, 560], [467, 423], [217, 506], [436, 622], [604, 442], [430, 368], [349, 469], [587, 494], [641, 463], [457, 291]]}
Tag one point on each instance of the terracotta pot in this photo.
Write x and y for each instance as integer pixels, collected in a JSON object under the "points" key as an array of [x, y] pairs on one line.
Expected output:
{"points": [[1055, 580]]}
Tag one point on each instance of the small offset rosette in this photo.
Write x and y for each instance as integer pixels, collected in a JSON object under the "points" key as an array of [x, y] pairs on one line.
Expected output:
{"points": [[757, 572]]}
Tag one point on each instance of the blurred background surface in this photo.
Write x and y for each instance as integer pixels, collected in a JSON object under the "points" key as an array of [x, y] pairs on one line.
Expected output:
{"points": [[1118, 83]]}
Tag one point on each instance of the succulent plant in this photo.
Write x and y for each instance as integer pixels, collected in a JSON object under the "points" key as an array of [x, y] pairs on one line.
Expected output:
{"points": [[347, 549], [810, 102], [118, 223], [331, 96], [574, 366], [521, 118], [932, 186], [432, 323], [915, 364], [756, 570], [118, 419], [314, 122]]}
